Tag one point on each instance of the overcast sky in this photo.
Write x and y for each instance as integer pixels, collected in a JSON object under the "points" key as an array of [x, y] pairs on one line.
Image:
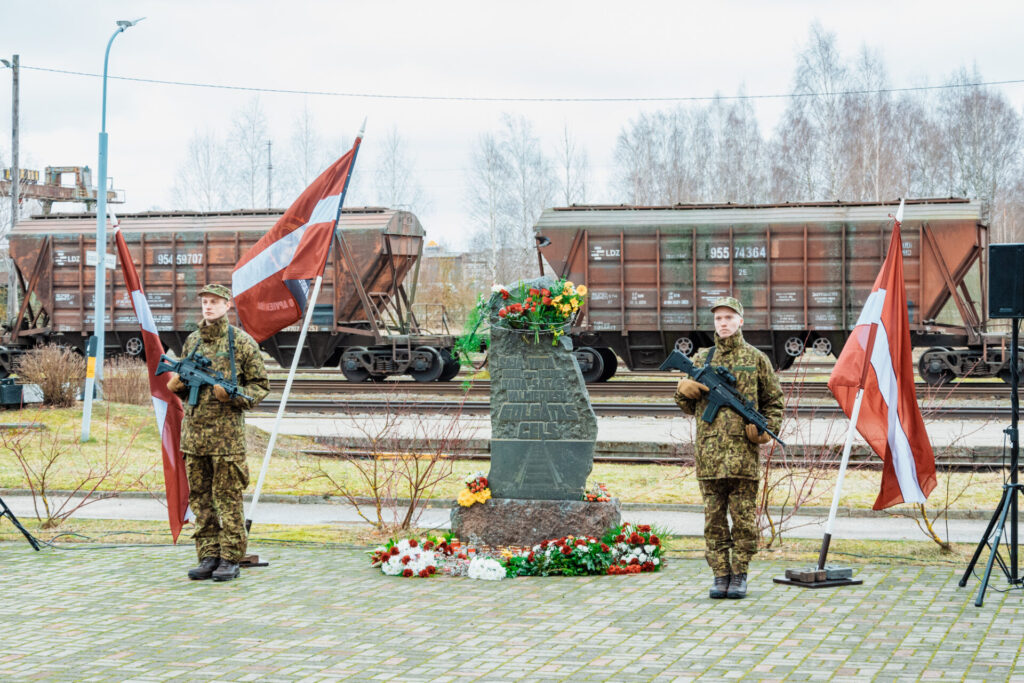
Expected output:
{"points": [[477, 49]]}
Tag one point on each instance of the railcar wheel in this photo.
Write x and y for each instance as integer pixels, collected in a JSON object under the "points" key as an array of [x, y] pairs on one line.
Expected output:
{"points": [[822, 346], [596, 362], [611, 363], [451, 366], [684, 345], [426, 364], [134, 347], [794, 347], [931, 368], [351, 366]]}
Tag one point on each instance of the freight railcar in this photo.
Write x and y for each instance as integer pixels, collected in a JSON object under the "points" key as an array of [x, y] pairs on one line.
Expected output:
{"points": [[363, 322], [802, 271]]}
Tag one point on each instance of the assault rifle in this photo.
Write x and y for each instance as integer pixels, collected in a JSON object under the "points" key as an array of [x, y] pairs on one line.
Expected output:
{"points": [[722, 391], [194, 370]]}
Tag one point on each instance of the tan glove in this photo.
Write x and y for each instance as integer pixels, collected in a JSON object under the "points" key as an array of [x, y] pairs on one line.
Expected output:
{"points": [[174, 383], [754, 437], [221, 393], [690, 389]]}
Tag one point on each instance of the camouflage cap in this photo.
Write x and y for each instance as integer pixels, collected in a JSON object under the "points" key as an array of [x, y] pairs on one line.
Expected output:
{"points": [[728, 302], [217, 290]]}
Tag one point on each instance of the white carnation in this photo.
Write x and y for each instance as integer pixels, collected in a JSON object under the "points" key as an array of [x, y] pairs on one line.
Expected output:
{"points": [[486, 569]]}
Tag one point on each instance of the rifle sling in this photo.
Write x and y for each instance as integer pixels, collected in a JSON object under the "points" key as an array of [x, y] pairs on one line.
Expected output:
{"points": [[231, 350]]}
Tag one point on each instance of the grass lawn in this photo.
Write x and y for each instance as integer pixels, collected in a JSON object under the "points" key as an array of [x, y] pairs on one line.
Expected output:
{"points": [[125, 447]]}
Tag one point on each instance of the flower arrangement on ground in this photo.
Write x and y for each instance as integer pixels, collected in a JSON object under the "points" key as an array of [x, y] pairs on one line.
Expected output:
{"points": [[411, 557], [567, 556], [476, 490], [537, 309], [598, 493], [486, 569], [634, 549]]}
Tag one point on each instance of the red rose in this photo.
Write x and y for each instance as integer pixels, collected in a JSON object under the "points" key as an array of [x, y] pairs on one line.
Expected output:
{"points": [[502, 313], [634, 561], [545, 292], [644, 528], [504, 294], [566, 550], [634, 538], [406, 559], [406, 572], [394, 550], [424, 573], [655, 540], [635, 569], [483, 481], [547, 301], [429, 545], [580, 541], [543, 545], [648, 566], [534, 292], [620, 538], [412, 543], [604, 548], [431, 569]]}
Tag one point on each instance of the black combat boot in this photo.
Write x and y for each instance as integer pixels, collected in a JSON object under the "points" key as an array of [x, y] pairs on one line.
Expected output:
{"points": [[737, 586], [205, 569], [226, 571], [720, 588]]}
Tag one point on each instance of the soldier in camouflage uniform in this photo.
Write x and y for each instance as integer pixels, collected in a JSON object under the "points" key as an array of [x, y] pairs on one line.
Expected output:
{"points": [[727, 449], [213, 438]]}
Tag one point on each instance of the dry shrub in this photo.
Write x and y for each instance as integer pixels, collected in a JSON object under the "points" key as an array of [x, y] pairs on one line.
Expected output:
{"points": [[59, 372], [126, 380], [402, 458]]}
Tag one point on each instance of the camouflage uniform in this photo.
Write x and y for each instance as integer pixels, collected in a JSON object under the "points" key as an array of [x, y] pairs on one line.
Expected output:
{"points": [[727, 462], [213, 440]]}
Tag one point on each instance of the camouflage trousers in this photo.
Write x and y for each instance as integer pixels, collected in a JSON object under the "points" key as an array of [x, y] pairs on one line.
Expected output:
{"points": [[738, 497], [216, 484]]}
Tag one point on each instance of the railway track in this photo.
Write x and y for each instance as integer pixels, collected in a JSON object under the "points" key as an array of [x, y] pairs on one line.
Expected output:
{"points": [[410, 405], [658, 388]]}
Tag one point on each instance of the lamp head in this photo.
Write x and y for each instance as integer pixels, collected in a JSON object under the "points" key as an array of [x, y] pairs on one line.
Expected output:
{"points": [[5, 63], [128, 23]]}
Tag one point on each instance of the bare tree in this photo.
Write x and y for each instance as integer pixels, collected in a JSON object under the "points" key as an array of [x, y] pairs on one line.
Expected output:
{"points": [[488, 195], [201, 181], [248, 143], [532, 178], [395, 177], [573, 169]]}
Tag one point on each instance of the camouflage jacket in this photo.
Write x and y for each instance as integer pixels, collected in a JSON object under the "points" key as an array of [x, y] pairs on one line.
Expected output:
{"points": [[211, 427], [722, 448]]}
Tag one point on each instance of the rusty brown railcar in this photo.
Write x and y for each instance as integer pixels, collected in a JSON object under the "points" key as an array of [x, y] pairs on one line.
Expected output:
{"points": [[363, 321], [802, 271]]}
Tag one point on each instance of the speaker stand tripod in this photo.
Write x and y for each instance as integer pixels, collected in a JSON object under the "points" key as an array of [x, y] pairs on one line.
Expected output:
{"points": [[6, 512], [1008, 502]]}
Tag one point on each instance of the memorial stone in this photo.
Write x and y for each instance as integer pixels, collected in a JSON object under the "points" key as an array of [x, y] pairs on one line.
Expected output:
{"points": [[543, 431]]}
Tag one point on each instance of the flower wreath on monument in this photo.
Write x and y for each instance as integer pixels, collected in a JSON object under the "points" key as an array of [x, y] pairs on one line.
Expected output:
{"points": [[476, 490], [625, 549], [533, 307]]}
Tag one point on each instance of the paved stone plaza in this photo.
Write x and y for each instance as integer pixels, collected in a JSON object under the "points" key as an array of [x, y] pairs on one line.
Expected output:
{"points": [[323, 614]]}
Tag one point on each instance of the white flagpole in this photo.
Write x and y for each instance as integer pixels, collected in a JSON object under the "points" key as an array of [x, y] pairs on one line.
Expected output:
{"points": [[854, 415], [284, 401], [839, 480], [298, 348]]}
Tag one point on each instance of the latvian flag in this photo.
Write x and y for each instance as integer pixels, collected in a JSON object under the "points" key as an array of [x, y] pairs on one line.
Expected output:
{"points": [[165, 403], [890, 419], [271, 280]]}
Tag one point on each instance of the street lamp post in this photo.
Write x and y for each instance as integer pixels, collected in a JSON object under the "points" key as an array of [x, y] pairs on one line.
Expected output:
{"points": [[94, 367]]}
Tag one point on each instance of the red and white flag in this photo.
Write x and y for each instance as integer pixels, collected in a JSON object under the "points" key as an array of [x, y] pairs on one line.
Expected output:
{"points": [[271, 281], [876, 358], [165, 403]]}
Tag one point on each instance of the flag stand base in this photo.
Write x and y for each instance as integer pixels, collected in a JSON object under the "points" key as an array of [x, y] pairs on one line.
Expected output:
{"points": [[250, 561], [825, 583]]}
